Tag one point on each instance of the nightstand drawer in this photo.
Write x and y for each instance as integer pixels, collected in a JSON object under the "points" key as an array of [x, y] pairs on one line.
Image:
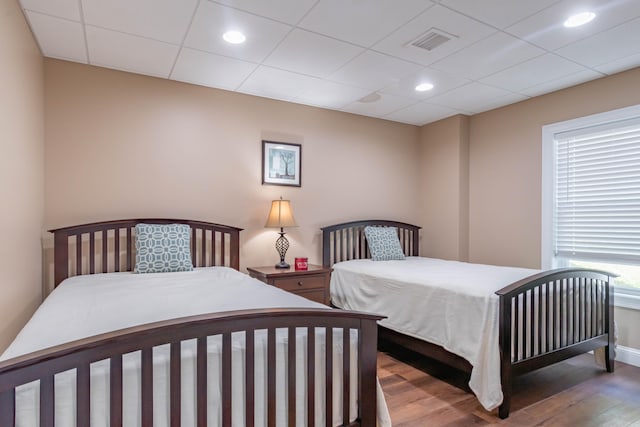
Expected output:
{"points": [[312, 283], [300, 283]]}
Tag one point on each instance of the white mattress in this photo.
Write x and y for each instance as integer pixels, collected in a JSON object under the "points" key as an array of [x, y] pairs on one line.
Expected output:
{"points": [[448, 303], [84, 306]]}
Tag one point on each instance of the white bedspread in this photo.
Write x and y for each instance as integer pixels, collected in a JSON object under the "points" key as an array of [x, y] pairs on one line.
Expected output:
{"points": [[84, 306], [449, 303]]}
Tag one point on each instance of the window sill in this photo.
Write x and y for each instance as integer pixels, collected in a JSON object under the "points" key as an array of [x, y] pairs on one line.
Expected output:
{"points": [[627, 298]]}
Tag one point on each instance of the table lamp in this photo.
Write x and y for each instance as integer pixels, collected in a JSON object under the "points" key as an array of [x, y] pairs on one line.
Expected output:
{"points": [[281, 216]]}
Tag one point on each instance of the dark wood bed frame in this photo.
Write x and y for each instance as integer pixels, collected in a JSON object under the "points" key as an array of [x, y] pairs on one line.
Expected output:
{"points": [[79, 249], [543, 319]]}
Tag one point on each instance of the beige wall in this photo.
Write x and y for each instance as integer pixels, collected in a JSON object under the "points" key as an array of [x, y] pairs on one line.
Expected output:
{"points": [[505, 166], [21, 171], [443, 188], [120, 145], [627, 321]]}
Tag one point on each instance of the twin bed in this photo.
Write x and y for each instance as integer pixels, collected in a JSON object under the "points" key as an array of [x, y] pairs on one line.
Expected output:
{"points": [[210, 346], [492, 322]]}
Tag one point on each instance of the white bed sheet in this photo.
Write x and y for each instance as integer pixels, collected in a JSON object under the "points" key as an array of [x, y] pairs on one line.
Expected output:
{"points": [[449, 303], [84, 306]]}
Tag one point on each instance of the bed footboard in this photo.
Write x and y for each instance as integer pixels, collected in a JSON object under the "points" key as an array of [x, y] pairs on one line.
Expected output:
{"points": [[552, 316], [335, 326]]}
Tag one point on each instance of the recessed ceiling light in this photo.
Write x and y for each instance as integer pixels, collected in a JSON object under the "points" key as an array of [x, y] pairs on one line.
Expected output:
{"points": [[234, 37], [423, 87], [372, 97], [579, 19]]}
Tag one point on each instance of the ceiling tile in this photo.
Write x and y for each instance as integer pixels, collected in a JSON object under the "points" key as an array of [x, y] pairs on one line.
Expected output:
{"points": [[385, 105], [374, 71], [422, 113], [488, 56], [58, 38], [287, 11], [619, 65], [164, 20], [68, 9], [279, 84], [208, 69], [130, 53], [312, 54], [213, 20], [331, 95], [441, 81], [561, 83], [546, 28], [502, 101], [363, 22], [464, 31], [614, 44], [538, 70], [470, 98], [499, 13]]}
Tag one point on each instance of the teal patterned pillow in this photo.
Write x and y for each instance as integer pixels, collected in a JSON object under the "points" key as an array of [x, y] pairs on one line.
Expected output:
{"points": [[162, 248], [384, 244]]}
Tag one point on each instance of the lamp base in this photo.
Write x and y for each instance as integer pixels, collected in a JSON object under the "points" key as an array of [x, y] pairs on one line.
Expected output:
{"points": [[282, 264], [282, 244]]}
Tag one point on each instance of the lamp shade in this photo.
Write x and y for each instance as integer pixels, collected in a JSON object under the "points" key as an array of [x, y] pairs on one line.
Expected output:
{"points": [[281, 215]]}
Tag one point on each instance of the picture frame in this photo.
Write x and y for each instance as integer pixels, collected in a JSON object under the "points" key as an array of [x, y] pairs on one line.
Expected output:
{"points": [[281, 163]]}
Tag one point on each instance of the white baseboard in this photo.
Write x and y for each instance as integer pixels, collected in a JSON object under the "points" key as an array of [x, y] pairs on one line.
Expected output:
{"points": [[628, 355]]}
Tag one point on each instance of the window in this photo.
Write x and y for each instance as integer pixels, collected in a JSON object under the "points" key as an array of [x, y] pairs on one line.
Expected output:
{"points": [[591, 197]]}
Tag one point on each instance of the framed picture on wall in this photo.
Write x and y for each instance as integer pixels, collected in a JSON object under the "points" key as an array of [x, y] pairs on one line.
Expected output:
{"points": [[281, 163]]}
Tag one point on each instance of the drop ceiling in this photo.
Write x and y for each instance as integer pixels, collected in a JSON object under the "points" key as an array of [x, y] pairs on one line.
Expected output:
{"points": [[332, 53]]}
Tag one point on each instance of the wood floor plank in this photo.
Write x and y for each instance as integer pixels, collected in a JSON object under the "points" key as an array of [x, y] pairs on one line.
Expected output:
{"points": [[575, 392], [580, 413], [621, 415]]}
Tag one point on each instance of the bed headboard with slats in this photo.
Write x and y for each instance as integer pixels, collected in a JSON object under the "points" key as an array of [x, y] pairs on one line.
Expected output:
{"points": [[342, 242], [109, 246]]}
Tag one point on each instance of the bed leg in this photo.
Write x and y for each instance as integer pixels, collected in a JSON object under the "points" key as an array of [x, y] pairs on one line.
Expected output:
{"points": [[367, 363], [609, 350], [609, 357], [505, 355], [505, 407]]}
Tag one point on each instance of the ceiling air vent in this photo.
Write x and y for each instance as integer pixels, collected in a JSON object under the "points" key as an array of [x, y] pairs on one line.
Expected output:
{"points": [[431, 39]]}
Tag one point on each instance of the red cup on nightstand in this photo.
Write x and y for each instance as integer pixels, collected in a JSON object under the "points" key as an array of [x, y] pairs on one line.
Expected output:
{"points": [[301, 263]]}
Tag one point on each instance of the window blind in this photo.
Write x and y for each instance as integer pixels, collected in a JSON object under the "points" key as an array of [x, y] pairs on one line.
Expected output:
{"points": [[597, 192]]}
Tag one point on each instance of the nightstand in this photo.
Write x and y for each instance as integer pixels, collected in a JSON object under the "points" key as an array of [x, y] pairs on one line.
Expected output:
{"points": [[312, 284]]}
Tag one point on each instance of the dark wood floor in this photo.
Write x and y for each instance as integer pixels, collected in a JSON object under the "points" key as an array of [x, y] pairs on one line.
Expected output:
{"points": [[575, 392]]}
